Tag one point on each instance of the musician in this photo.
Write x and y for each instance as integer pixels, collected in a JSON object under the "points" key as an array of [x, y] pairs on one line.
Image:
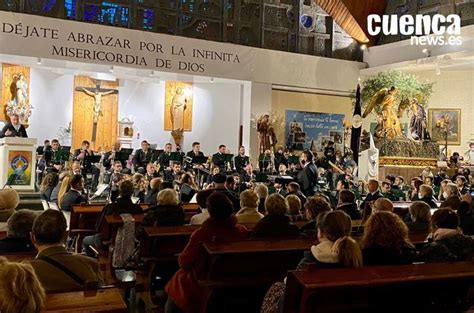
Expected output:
{"points": [[175, 172], [282, 170], [247, 176], [180, 153], [164, 158], [41, 149], [142, 157], [308, 177], [113, 178], [76, 168], [109, 157], [88, 168], [195, 152], [14, 128], [218, 159], [241, 160], [266, 164], [151, 172], [51, 153], [280, 157]]}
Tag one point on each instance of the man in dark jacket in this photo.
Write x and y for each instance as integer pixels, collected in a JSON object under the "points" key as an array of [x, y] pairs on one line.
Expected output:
{"points": [[452, 200], [308, 177], [348, 205], [219, 185], [75, 195], [152, 192], [19, 226], [14, 128], [374, 194]]}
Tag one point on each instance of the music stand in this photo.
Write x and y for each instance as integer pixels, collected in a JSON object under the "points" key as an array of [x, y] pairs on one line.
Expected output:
{"points": [[293, 159], [175, 157], [156, 155], [199, 159], [123, 155], [261, 178]]}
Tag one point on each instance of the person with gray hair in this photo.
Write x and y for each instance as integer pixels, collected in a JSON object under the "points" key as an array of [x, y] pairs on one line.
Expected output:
{"points": [[453, 200], [19, 226]]}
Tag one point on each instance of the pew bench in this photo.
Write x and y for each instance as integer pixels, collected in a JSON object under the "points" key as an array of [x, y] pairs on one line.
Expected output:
{"points": [[100, 301], [435, 287]]}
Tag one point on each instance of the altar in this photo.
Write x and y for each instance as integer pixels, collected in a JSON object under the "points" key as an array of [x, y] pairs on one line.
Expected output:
{"points": [[17, 163]]}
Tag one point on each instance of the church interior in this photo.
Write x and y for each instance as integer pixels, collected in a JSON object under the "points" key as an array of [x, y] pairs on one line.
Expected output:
{"points": [[211, 156]]}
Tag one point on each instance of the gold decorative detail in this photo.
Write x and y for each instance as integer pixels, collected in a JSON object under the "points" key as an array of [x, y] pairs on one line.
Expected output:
{"points": [[407, 162]]}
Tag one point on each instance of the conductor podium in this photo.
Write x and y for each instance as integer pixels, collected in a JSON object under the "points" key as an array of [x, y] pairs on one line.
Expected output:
{"points": [[17, 163]]}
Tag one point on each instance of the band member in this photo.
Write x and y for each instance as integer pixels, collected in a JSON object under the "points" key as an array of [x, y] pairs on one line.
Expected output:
{"points": [[150, 172], [114, 178], [218, 159], [308, 177], [241, 160], [51, 153], [109, 157], [164, 158], [279, 157], [174, 173], [76, 168], [41, 149], [196, 150], [14, 128], [180, 153], [88, 168], [247, 176], [266, 162], [142, 157]]}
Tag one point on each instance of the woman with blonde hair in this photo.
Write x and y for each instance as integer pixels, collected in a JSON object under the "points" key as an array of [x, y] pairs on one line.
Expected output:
{"points": [[168, 211], [262, 193], [313, 207], [20, 289], [65, 186], [249, 208], [385, 240]]}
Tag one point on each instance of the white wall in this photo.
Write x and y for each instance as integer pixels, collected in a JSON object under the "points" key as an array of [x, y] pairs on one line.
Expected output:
{"points": [[216, 110], [51, 95]]}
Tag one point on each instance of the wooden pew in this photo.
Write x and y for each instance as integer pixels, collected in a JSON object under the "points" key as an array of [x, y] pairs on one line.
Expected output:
{"points": [[434, 287], [101, 301]]}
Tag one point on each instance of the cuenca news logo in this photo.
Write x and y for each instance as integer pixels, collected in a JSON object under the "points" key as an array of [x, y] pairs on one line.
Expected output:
{"points": [[425, 30]]}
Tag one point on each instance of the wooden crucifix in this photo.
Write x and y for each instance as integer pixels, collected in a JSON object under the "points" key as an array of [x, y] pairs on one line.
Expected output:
{"points": [[97, 93]]}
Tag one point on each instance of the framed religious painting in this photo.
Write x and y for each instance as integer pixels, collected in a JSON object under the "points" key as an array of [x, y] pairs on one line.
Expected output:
{"points": [[444, 123]]}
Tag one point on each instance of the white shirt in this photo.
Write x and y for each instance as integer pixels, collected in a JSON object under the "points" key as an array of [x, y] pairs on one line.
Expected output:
{"points": [[200, 218]]}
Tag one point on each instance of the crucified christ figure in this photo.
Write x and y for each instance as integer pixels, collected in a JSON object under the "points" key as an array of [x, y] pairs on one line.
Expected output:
{"points": [[94, 92]]}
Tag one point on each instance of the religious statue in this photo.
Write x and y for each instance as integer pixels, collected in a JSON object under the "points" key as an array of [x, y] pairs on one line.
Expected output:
{"points": [[19, 104], [266, 134], [178, 105], [389, 124], [97, 95], [418, 123]]}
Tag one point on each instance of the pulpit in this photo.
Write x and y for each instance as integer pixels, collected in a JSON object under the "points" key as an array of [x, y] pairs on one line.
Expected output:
{"points": [[18, 162]]}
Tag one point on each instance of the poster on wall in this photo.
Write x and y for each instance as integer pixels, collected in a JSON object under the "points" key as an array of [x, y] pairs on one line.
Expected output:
{"points": [[19, 168], [312, 130]]}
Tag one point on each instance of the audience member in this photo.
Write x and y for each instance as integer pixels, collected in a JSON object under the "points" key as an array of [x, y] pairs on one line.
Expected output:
{"points": [[75, 194], [201, 199], [168, 212], [466, 215], [426, 195], [123, 205], [9, 200], [462, 184], [387, 193], [184, 292], [335, 248], [262, 192], [19, 226], [415, 183], [385, 241], [64, 188], [347, 204], [249, 208], [57, 269], [20, 289], [188, 188], [294, 189], [382, 204], [50, 181], [443, 195], [449, 244], [373, 194], [152, 193], [55, 192], [219, 185], [314, 206], [276, 223], [453, 200], [419, 217], [294, 208]]}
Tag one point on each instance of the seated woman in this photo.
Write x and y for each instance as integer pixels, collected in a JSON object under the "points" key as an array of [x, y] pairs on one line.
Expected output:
{"points": [[419, 216], [313, 207], [294, 208], [249, 208], [425, 194], [188, 188], [47, 185], [275, 223], [385, 240], [262, 193], [19, 227], [140, 187], [20, 289], [168, 211], [55, 192], [449, 244], [184, 292], [9, 200], [336, 248]]}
